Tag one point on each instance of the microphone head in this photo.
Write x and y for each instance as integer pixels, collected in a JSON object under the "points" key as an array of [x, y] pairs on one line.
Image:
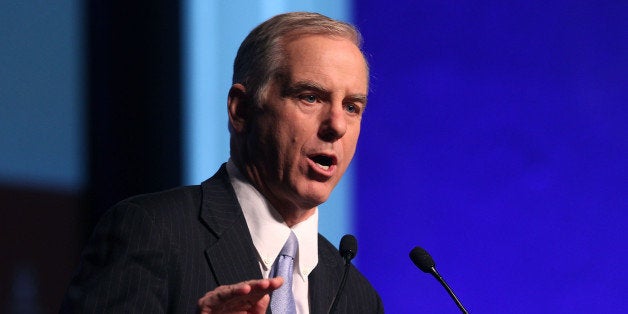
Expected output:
{"points": [[348, 247], [422, 259]]}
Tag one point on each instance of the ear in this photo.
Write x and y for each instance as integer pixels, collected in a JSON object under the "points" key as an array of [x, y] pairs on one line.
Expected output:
{"points": [[239, 108]]}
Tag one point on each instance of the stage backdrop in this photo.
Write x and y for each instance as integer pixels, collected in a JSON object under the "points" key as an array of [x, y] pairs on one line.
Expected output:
{"points": [[496, 137]]}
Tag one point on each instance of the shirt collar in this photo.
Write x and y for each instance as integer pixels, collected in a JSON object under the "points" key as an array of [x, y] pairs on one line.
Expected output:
{"points": [[268, 229]]}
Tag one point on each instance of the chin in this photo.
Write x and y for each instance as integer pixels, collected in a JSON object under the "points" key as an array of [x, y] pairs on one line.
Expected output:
{"points": [[316, 195]]}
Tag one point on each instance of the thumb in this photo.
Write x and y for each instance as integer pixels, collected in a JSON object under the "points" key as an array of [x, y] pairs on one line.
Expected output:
{"points": [[262, 304]]}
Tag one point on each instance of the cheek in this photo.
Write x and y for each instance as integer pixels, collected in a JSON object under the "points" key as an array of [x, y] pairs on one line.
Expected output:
{"points": [[299, 131], [265, 141], [351, 139]]}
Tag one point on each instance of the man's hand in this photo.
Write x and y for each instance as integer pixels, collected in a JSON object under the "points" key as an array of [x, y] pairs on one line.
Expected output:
{"points": [[245, 297]]}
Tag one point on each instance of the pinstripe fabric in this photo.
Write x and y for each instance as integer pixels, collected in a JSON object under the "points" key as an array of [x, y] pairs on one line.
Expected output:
{"points": [[159, 253], [358, 296]]}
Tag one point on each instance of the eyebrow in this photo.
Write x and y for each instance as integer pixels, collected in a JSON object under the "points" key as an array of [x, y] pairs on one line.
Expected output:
{"points": [[297, 87]]}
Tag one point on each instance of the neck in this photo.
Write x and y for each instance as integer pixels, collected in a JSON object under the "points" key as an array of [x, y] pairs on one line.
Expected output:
{"points": [[292, 218], [291, 212]]}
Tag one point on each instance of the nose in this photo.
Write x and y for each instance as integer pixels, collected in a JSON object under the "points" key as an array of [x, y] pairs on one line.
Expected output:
{"points": [[334, 123]]}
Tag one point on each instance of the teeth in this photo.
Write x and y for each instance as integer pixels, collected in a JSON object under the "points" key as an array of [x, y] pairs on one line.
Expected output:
{"points": [[322, 166]]}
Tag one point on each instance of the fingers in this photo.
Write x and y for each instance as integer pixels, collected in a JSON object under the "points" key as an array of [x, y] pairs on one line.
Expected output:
{"points": [[261, 306], [267, 285], [249, 296], [275, 283]]}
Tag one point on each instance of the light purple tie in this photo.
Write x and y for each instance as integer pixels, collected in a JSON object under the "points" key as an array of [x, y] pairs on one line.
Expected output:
{"points": [[282, 299]]}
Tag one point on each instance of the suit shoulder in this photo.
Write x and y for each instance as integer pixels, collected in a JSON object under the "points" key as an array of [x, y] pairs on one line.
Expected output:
{"points": [[175, 206], [177, 197], [362, 295], [186, 199], [329, 251]]}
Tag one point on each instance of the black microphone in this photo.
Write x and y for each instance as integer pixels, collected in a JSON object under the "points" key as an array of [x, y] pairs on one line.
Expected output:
{"points": [[348, 250], [424, 262]]}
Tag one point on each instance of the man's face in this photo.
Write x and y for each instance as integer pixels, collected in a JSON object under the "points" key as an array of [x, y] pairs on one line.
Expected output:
{"points": [[303, 138]]}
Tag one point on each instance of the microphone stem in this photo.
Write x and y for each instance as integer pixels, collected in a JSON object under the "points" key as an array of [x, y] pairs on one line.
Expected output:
{"points": [[451, 292], [343, 281]]}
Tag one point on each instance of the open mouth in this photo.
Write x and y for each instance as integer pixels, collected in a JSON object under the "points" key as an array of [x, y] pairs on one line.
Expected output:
{"points": [[322, 161]]}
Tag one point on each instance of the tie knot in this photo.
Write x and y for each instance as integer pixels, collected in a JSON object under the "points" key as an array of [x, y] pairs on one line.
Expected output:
{"points": [[290, 248]]}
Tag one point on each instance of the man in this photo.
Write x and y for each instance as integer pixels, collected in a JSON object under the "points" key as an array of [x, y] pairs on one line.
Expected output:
{"points": [[299, 91]]}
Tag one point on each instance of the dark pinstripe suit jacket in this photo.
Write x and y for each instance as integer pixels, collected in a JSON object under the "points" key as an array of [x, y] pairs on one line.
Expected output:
{"points": [[161, 252]]}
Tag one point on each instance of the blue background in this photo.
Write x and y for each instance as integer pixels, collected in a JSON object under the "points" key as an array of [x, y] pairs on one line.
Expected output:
{"points": [[496, 137]]}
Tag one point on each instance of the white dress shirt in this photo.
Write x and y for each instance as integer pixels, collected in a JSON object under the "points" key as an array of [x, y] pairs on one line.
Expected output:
{"points": [[270, 232]]}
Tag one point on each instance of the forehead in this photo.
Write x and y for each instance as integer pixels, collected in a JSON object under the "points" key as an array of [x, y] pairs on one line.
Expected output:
{"points": [[333, 60]]}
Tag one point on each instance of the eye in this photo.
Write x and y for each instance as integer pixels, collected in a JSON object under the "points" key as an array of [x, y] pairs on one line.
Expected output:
{"points": [[309, 98], [352, 108]]}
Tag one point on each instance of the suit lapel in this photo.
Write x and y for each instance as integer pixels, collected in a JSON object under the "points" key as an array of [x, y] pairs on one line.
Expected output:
{"points": [[231, 254], [323, 282]]}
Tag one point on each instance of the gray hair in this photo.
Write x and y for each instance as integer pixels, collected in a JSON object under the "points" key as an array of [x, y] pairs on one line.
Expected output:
{"points": [[261, 55]]}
